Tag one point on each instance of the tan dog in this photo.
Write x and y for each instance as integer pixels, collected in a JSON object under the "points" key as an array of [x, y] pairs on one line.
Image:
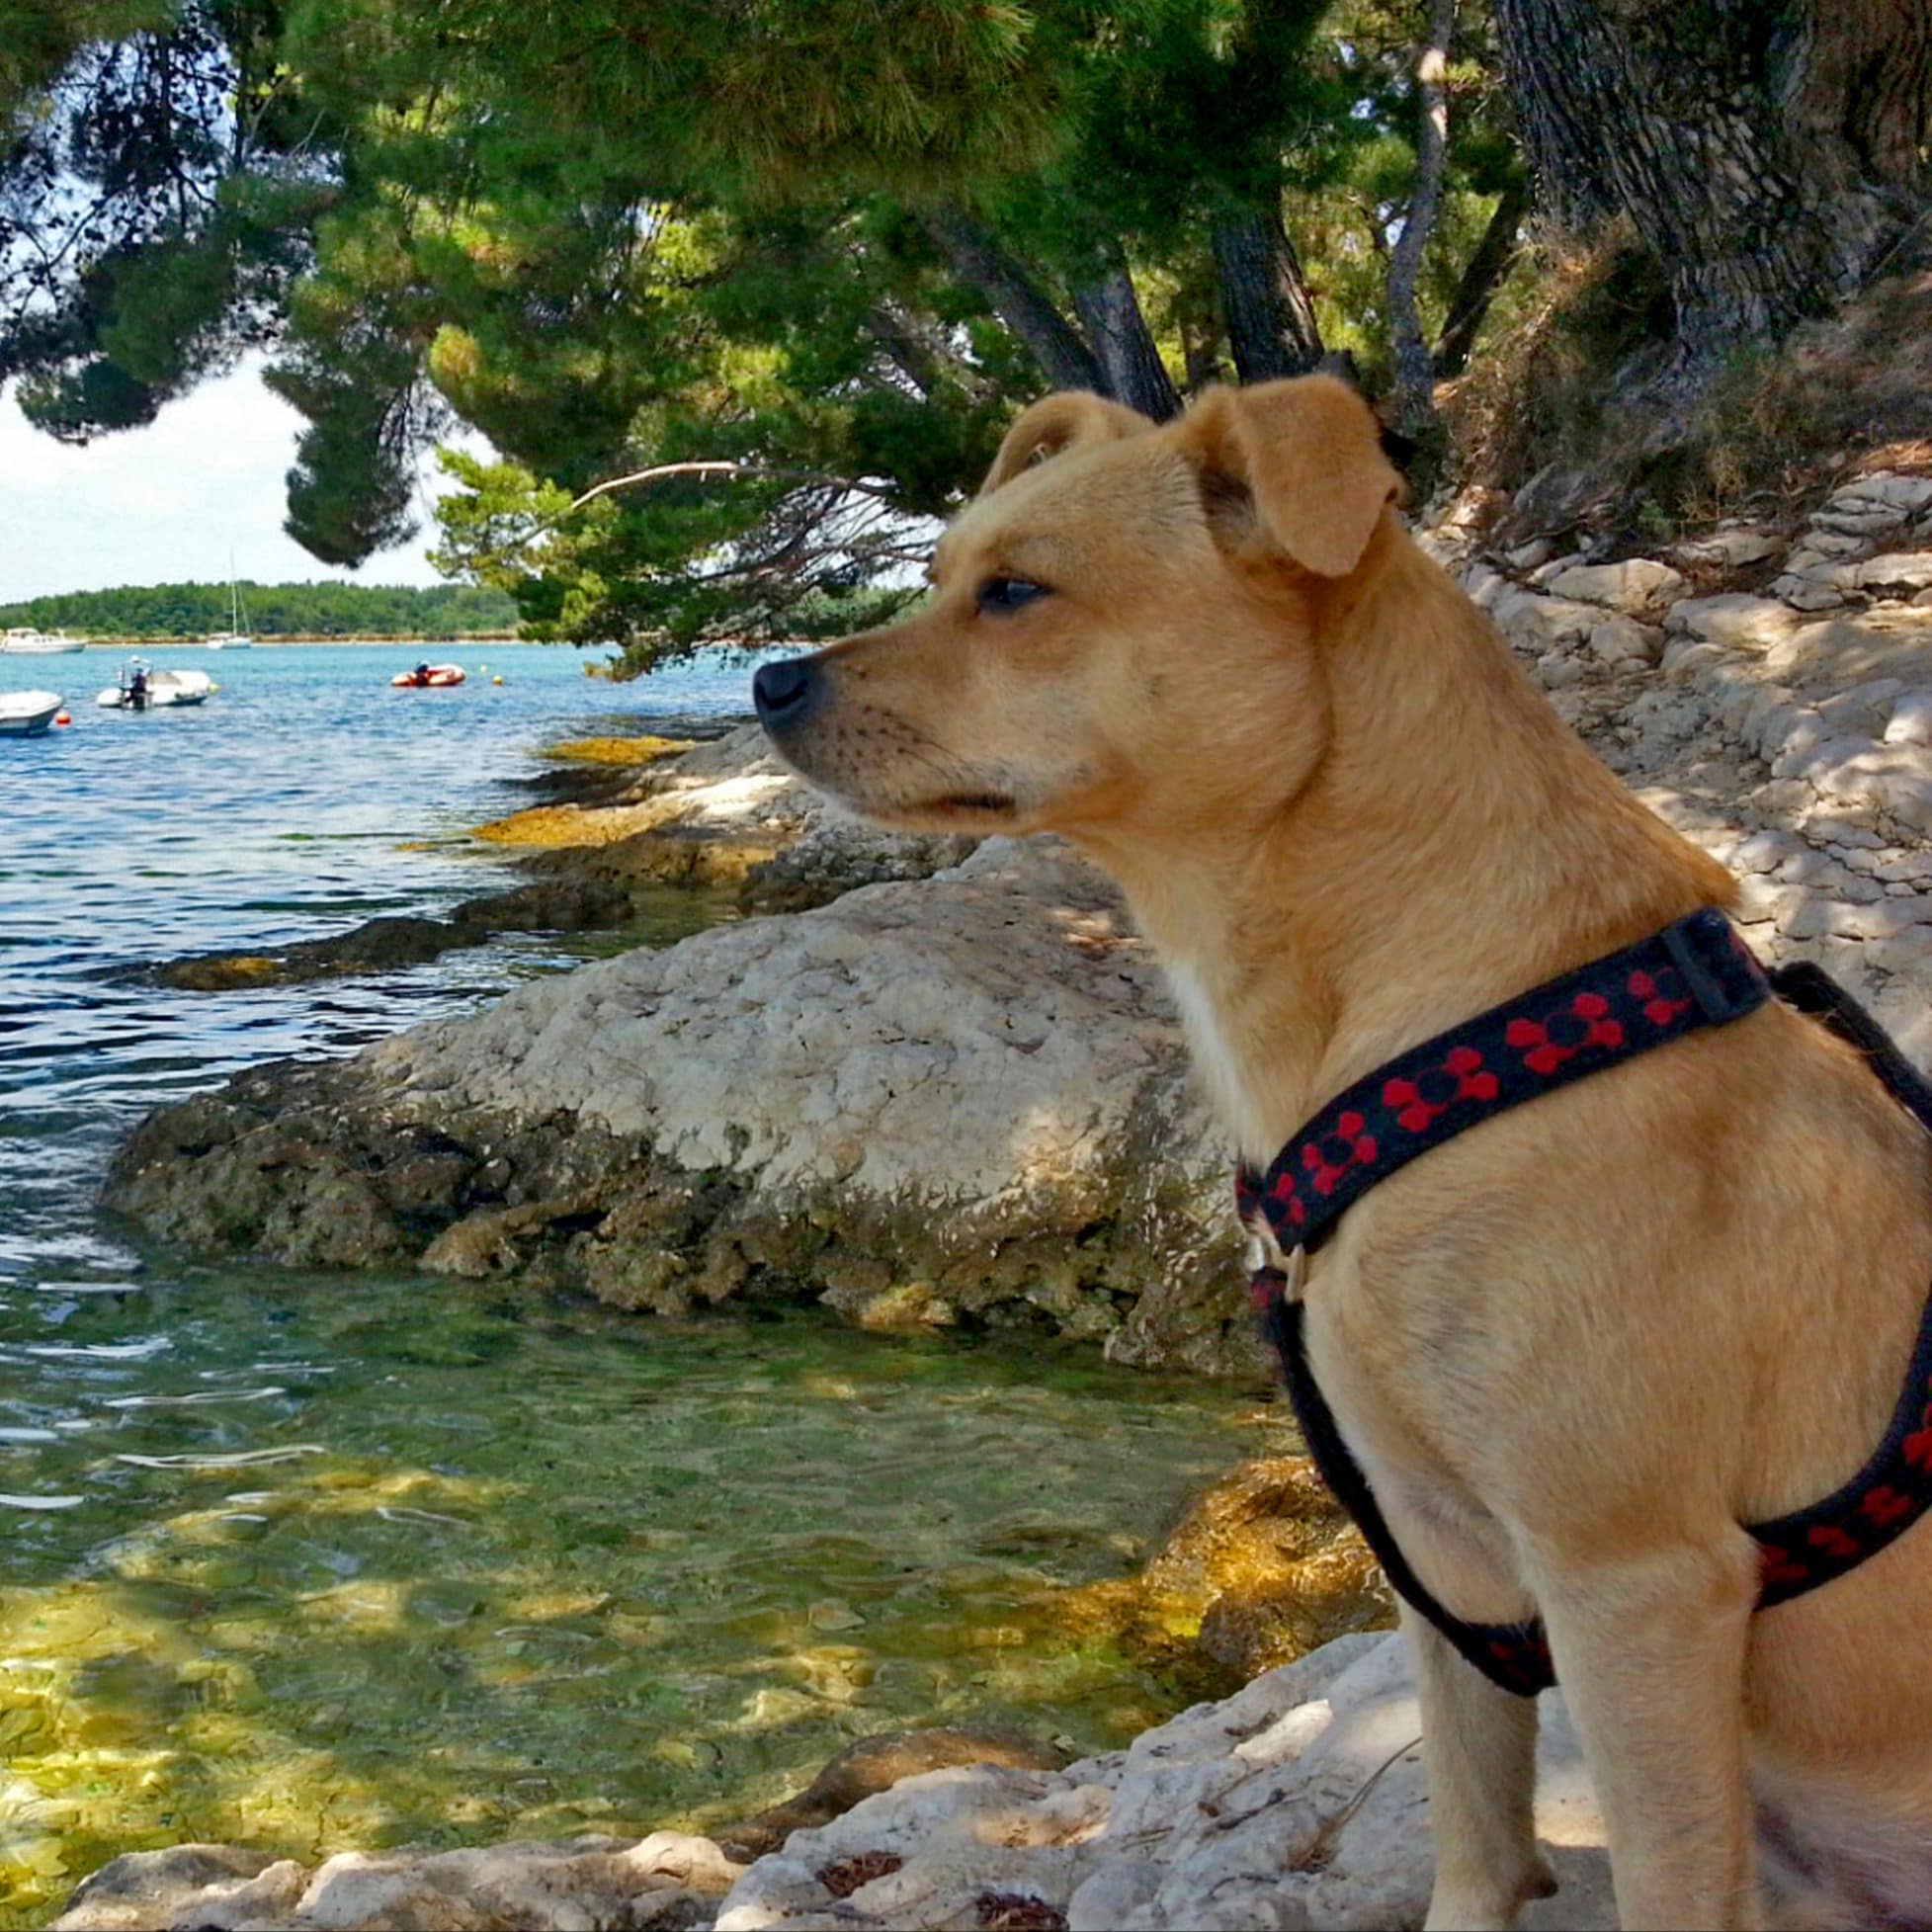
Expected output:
{"points": [[1575, 1348]]}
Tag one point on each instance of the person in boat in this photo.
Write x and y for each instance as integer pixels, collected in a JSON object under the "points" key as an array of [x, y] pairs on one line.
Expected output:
{"points": [[421, 675], [137, 686]]}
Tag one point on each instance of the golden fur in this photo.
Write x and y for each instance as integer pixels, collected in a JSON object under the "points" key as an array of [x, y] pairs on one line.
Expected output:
{"points": [[1577, 1348]]}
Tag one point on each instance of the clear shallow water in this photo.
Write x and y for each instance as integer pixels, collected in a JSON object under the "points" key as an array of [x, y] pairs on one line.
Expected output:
{"points": [[308, 1562]]}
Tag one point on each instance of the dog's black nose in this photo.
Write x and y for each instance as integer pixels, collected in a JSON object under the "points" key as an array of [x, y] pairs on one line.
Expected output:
{"points": [[785, 690]]}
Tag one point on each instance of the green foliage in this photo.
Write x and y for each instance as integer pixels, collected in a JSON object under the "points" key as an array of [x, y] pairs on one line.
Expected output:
{"points": [[315, 610], [40, 38], [630, 233]]}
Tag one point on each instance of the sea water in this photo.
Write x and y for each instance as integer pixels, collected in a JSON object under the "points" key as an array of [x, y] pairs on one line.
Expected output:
{"points": [[308, 1562]]}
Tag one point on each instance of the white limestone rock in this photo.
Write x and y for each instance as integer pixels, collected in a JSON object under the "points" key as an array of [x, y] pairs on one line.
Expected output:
{"points": [[959, 1097], [1622, 641], [1736, 619], [1731, 549], [1909, 495], [1801, 594], [664, 1883], [1896, 574], [1298, 1802], [1537, 624], [1484, 586], [1635, 587]]}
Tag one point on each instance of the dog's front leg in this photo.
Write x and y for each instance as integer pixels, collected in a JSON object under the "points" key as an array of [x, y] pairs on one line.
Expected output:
{"points": [[1651, 1653], [1479, 1746]]}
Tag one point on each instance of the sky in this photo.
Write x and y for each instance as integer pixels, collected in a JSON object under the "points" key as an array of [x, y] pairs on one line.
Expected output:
{"points": [[171, 502]]}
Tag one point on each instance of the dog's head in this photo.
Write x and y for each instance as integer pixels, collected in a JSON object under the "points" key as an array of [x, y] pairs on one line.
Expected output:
{"points": [[1121, 637]]}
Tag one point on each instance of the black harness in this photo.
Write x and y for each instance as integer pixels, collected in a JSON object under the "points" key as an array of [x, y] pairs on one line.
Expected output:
{"points": [[1693, 975]]}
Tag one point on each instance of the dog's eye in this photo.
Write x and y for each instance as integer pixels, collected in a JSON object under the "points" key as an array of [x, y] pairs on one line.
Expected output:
{"points": [[1008, 593]]}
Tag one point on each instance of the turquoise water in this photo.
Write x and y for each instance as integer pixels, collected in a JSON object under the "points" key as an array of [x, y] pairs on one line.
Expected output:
{"points": [[308, 1562]]}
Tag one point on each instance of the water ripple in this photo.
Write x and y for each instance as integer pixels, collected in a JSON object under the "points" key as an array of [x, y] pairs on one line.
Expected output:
{"points": [[234, 1458]]}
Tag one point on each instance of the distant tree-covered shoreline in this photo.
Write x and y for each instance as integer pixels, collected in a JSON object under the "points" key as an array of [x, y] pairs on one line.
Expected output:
{"points": [[315, 610]]}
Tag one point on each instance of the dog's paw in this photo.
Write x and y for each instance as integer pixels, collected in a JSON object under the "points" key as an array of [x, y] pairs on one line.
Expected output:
{"points": [[1487, 1907]]}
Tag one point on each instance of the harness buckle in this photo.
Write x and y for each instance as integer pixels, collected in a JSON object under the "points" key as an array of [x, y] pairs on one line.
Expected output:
{"points": [[1723, 979]]}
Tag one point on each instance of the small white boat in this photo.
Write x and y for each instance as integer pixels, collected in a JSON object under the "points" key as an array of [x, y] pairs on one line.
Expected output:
{"points": [[234, 637], [28, 642], [137, 689], [27, 713]]}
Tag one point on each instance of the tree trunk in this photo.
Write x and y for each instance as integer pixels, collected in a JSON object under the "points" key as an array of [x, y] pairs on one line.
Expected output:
{"points": [[1755, 162], [1416, 368], [1861, 76], [1197, 315], [1271, 322], [1110, 311], [980, 260], [1483, 275]]}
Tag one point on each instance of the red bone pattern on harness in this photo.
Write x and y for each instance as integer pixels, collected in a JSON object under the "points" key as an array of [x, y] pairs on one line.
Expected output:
{"points": [[1330, 1157], [1663, 994], [1419, 1102], [1692, 975], [1547, 1042]]}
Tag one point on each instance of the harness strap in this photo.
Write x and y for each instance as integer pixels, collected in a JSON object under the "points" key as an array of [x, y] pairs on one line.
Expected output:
{"points": [[1694, 974], [1515, 1657], [1716, 983]]}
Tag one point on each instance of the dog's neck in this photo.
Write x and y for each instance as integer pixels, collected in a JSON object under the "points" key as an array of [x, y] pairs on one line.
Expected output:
{"points": [[1453, 846]]}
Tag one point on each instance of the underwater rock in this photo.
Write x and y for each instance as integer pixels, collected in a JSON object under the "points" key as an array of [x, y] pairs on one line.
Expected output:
{"points": [[562, 904], [1280, 1565]]}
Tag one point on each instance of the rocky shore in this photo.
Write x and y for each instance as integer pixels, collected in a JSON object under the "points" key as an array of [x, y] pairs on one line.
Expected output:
{"points": [[949, 1089], [1298, 1802], [940, 1099]]}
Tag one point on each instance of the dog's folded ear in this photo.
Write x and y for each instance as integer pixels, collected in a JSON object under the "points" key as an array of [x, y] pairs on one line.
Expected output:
{"points": [[1070, 420], [1307, 454]]}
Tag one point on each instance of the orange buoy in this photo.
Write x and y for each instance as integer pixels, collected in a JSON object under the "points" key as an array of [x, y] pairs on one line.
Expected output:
{"points": [[62, 718]]}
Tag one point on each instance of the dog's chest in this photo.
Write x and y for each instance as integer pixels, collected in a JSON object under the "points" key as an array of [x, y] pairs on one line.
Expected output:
{"points": [[1411, 1457], [1219, 1066]]}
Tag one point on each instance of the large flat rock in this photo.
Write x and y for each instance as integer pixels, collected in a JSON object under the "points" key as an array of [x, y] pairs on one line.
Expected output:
{"points": [[963, 1097]]}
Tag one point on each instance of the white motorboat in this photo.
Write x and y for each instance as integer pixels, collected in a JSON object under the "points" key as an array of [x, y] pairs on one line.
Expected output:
{"points": [[137, 689], [29, 642], [27, 713]]}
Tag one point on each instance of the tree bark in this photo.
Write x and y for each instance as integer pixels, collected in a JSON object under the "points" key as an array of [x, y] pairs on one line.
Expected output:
{"points": [[980, 260], [1133, 373], [1271, 322], [1861, 76], [1197, 315], [1483, 275], [1755, 162], [1416, 368]]}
